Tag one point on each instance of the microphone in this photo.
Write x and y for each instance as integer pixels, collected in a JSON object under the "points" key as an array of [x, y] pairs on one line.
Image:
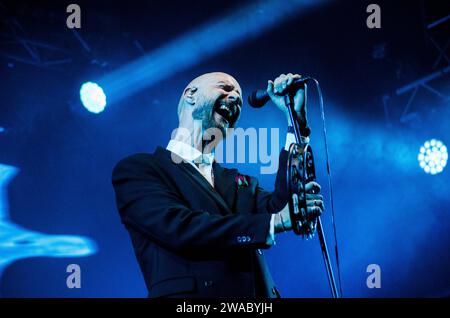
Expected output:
{"points": [[259, 98]]}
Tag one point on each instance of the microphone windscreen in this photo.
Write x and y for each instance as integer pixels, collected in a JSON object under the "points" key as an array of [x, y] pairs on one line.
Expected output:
{"points": [[258, 98]]}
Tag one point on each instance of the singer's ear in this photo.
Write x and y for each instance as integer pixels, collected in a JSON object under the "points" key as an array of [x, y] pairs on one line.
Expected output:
{"points": [[189, 95]]}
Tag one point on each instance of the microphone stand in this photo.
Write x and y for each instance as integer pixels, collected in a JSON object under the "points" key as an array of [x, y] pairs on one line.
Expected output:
{"points": [[288, 100]]}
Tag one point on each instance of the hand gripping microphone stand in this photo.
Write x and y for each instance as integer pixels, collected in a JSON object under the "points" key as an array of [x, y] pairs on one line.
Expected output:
{"points": [[300, 171]]}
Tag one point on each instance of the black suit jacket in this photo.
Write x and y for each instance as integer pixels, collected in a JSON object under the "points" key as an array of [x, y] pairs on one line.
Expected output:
{"points": [[191, 239]]}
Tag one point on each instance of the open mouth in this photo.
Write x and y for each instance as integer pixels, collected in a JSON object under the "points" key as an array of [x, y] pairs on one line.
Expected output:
{"points": [[229, 112]]}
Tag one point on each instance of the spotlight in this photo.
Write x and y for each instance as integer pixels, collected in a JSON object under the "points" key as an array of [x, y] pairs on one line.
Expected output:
{"points": [[93, 97], [433, 156]]}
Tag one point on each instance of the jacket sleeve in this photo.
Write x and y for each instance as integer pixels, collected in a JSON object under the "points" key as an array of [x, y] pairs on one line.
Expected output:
{"points": [[275, 201], [147, 204]]}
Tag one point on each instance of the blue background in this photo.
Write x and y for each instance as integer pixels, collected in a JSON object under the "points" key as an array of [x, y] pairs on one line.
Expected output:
{"points": [[388, 211]]}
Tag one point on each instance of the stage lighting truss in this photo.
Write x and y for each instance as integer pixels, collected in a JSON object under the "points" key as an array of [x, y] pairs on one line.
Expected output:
{"points": [[433, 156]]}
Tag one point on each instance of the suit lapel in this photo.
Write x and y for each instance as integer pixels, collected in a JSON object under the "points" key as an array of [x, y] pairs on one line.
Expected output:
{"points": [[240, 200], [224, 183], [246, 196], [204, 184], [197, 177]]}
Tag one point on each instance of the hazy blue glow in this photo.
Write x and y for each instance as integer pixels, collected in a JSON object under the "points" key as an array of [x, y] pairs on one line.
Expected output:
{"points": [[433, 156], [18, 243], [214, 37], [93, 97], [388, 212]]}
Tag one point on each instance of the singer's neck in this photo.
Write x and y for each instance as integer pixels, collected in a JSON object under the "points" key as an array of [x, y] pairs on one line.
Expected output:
{"points": [[193, 136]]}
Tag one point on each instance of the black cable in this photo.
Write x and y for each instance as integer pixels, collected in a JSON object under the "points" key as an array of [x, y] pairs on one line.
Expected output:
{"points": [[319, 91]]}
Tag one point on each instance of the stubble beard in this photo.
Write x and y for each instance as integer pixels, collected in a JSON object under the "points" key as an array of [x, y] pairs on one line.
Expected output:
{"points": [[205, 114]]}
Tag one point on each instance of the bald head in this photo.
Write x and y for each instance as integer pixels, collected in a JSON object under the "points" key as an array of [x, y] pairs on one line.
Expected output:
{"points": [[205, 81], [213, 76]]}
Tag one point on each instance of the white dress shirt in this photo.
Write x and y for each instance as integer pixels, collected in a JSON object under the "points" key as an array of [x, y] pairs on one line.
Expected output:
{"points": [[200, 161]]}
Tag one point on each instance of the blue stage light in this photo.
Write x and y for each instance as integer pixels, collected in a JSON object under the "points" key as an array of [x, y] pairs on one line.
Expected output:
{"points": [[433, 156], [195, 46], [93, 97]]}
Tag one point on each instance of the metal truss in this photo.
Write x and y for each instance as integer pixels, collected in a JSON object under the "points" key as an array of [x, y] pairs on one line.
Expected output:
{"points": [[440, 71], [18, 46]]}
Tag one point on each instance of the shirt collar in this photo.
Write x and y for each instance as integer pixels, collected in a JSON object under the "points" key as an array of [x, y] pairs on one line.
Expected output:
{"points": [[189, 153]]}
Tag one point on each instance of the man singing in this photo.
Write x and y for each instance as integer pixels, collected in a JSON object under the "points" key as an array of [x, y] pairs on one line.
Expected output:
{"points": [[198, 228]]}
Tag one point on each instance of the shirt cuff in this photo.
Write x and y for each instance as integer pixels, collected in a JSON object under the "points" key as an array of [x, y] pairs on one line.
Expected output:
{"points": [[271, 235], [290, 138]]}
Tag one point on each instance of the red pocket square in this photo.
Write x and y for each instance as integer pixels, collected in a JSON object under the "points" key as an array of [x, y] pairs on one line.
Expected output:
{"points": [[242, 181]]}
